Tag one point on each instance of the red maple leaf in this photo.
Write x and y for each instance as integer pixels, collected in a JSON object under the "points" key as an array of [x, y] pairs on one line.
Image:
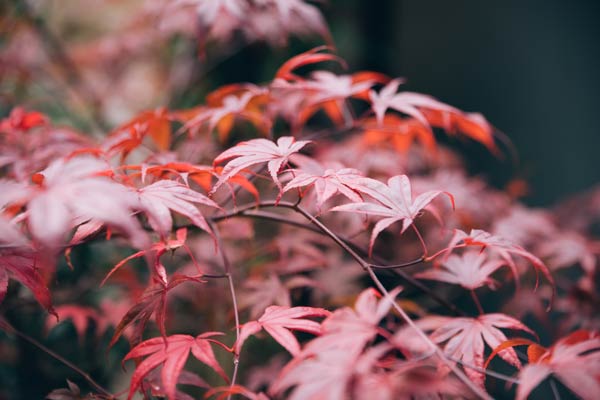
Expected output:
{"points": [[323, 90], [153, 123], [172, 352], [312, 56], [20, 264], [152, 302], [81, 317], [228, 103], [20, 120], [155, 252], [400, 132]]}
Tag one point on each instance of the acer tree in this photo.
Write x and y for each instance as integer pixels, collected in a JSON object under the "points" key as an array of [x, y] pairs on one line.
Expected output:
{"points": [[315, 235]]}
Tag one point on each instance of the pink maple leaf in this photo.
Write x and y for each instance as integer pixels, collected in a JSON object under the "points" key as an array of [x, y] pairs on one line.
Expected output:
{"points": [[258, 151], [158, 199], [279, 321], [260, 293], [465, 339], [350, 329], [330, 371], [11, 193], [230, 106], [326, 375], [326, 182], [405, 102], [471, 270], [329, 86], [208, 10], [298, 14], [73, 190], [569, 248], [504, 247], [10, 235], [395, 203]]}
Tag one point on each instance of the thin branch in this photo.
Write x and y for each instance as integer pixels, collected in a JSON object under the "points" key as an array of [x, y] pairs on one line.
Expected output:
{"points": [[236, 357], [227, 267], [59, 358], [365, 265], [421, 240], [252, 210], [214, 276], [486, 371], [439, 352], [401, 265], [444, 250], [278, 218], [554, 390], [477, 302]]}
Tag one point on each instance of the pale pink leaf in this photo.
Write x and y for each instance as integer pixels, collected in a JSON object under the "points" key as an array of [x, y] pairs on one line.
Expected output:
{"points": [[160, 198], [258, 151], [278, 321]]}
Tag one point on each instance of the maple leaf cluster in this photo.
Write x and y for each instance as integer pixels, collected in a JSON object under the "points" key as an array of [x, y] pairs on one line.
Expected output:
{"points": [[309, 237]]}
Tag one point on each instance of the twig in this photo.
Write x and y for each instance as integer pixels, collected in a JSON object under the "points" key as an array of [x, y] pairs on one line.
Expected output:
{"points": [[252, 210], [60, 358], [421, 240], [227, 267], [554, 390], [486, 371], [477, 302], [401, 265], [365, 265], [278, 218]]}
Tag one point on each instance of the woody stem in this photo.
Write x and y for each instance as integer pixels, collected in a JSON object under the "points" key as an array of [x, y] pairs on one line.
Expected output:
{"points": [[61, 359]]}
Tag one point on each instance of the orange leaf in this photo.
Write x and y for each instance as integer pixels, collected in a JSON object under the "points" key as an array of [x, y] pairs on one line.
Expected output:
{"points": [[310, 57], [160, 132], [509, 344], [535, 352]]}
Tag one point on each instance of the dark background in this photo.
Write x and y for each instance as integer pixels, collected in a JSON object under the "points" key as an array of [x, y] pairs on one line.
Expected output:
{"points": [[531, 67]]}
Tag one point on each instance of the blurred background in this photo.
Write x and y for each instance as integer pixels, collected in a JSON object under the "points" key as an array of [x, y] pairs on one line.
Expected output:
{"points": [[531, 67]]}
